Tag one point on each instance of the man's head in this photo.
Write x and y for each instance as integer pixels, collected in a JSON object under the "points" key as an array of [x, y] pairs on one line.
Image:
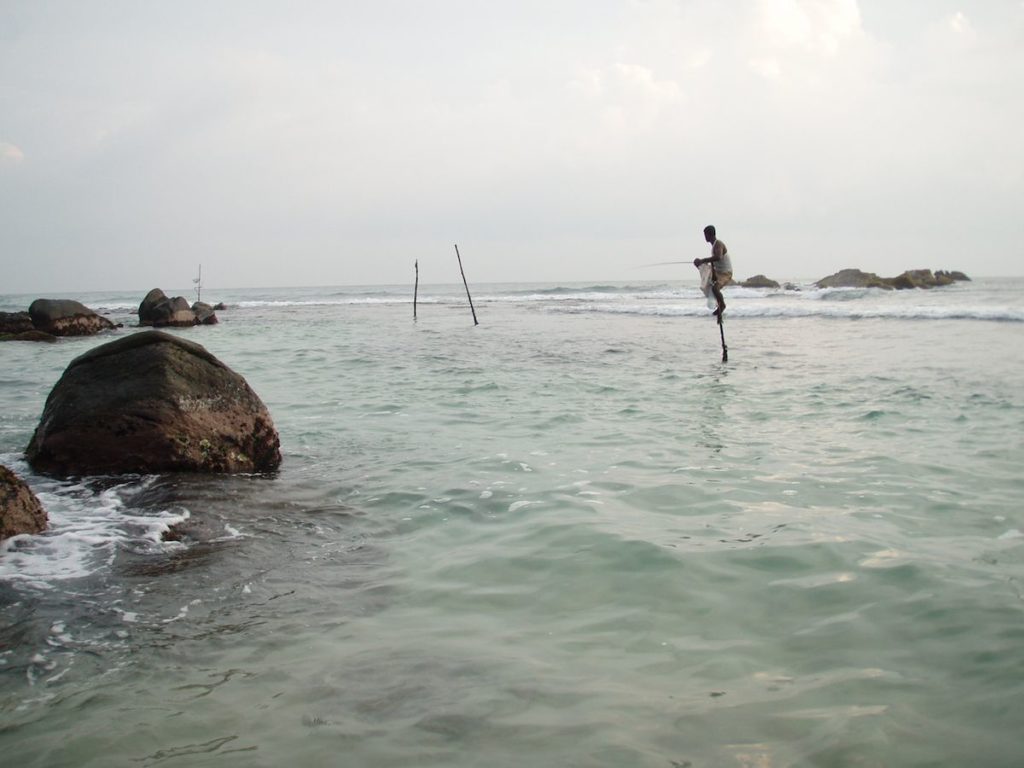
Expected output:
{"points": [[709, 233]]}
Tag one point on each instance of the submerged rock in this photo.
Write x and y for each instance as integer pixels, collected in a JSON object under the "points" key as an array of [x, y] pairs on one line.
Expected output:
{"points": [[20, 510], [64, 317], [152, 402], [759, 281], [29, 336], [15, 322]]}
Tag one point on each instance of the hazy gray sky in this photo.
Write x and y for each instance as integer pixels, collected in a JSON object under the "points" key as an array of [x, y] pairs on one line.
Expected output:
{"points": [[316, 143]]}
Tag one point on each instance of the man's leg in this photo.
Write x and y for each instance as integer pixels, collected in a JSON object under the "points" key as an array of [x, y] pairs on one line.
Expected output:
{"points": [[719, 298]]}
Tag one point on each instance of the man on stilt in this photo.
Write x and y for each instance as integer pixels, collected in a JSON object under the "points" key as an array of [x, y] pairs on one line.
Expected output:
{"points": [[719, 275]]}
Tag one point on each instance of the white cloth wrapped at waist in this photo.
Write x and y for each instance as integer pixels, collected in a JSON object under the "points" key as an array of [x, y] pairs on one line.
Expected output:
{"points": [[724, 278]]}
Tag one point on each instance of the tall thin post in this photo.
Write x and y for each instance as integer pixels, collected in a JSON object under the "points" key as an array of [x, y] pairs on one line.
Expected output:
{"points": [[466, 284], [416, 289], [725, 349], [721, 327], [199, 284]]}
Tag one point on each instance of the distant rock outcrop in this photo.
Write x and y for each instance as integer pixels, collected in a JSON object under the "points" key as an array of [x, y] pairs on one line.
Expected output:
{"points": [[64, 317], [160, 311], [759, 281], [853, 278], [914, 278], [152, 402], [20, 510]]}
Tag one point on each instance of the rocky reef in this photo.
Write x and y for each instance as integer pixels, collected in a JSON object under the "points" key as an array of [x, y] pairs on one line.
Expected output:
{"points": [[914, 278]]}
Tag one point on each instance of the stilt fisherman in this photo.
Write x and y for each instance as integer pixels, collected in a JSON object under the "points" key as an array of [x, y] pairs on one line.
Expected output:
{"points": [[718, 272]]}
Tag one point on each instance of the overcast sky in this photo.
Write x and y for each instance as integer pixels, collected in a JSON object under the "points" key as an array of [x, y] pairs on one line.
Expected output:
{"points": [[320, 143]]}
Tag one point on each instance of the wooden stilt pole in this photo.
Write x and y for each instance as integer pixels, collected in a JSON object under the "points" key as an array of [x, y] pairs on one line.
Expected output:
{"points": [[475, 322], [416, 289], [721, 327], [725, 349]]}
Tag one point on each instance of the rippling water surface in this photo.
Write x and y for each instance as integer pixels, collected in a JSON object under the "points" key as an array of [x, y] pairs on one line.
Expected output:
{"points": [[568, 536]]}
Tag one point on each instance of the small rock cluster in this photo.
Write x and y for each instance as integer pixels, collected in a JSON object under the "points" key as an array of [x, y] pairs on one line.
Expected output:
{"points": [[160, 311]]}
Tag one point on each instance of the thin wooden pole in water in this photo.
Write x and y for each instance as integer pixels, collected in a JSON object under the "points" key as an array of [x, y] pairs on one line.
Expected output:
{"points": [[471, 309], [416, 289], [721, 327]]}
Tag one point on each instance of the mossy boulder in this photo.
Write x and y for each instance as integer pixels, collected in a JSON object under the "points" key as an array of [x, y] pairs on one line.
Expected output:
{"points": [[148, 403]]}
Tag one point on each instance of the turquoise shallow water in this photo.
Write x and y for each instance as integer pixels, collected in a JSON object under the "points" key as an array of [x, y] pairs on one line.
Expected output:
{"points": [[568, 536]]}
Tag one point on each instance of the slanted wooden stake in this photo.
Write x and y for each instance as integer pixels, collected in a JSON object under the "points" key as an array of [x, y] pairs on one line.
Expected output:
{"points": [[416, 289], [471, 309]]}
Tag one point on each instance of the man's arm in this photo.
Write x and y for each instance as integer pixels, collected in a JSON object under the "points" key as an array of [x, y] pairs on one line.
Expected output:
{"points": [[716, 254]]}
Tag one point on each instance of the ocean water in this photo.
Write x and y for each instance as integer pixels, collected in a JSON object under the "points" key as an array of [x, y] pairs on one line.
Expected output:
{"points": [[569, 536]]}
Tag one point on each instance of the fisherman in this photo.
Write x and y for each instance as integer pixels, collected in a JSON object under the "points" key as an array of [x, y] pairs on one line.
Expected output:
{"points": [[720, 273]]}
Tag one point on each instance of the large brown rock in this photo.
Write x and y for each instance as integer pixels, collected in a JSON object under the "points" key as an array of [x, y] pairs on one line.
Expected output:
{"points": [[64, 317], [152, 402], [20, 510]]}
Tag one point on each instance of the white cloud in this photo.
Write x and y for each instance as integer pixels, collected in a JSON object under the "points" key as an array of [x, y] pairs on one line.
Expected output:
{"points": [[818, 26], [961, 29], [10, 154]]}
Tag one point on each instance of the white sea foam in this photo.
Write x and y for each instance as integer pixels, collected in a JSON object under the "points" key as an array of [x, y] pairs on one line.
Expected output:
{"points": [[85, 529]]}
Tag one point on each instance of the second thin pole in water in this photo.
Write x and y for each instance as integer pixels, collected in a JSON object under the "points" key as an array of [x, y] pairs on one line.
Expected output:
{"points": [[471, 309]]}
